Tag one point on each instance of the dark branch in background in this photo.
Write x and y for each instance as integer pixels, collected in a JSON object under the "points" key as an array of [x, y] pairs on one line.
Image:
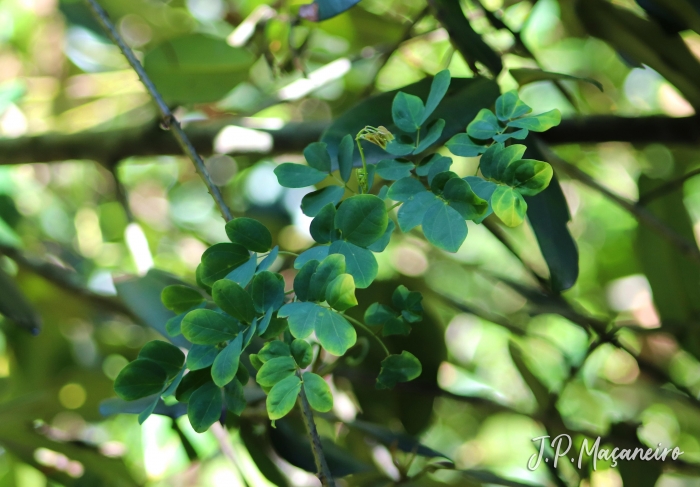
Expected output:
{"points": [[385, 56], [642, 215], [184, 142], [169, 121], [116, 145], [68, 281], [666, 188]]}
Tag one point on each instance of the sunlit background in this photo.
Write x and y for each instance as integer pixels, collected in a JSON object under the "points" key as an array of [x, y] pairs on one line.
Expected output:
{"points": [[107, 221]]}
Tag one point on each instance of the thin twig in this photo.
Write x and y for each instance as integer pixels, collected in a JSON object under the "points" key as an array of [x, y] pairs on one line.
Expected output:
{"points": [[666, 188], [324, 473], [365, 328], [168, 119], [642, 215]]}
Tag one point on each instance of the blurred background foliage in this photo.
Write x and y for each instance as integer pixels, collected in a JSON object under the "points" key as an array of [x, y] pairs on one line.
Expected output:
{"points": [[99, 211]]}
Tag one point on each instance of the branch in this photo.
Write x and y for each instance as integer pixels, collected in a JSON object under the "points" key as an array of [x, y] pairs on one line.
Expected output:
{"points": [[643, 216], [666, 188], [324, 473], [67, 281], [150, 140], [169, 120]]}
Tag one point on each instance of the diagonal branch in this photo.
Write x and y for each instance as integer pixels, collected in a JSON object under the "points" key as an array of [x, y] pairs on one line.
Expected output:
{"points": [[643, 216], [169, 121], [667, 188]]}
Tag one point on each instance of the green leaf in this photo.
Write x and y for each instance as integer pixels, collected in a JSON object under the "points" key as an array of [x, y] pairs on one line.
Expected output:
{"points": [[484, 126], [322, 227], [334, 332], [274, 370], [484, 190], [494, 162], [381, 244], [140, 378], [438, 89], [509, 106], [398, 368], [207, 327], [201, 356], [315, 253], [548, 214], [302, 352], [276, 327], [331, 267], [267, 290], [359, 263], [191, 382], [434, 132], [146, 413], [345, 155], [198, 278], [234, 397], [469, 94], [242, 274], [196, 68], [520, 134], [444, 227], [404, 189], [526, 76], [508, 205], [392, 169], [172, 326], [249, 233], [464, 146], [302, 317], [15, 306], [164, 354], [273, 349], [362, 219], [317, 392], [179, 299], [462, 198], [505, 158], [538, 123], [255, 361], [234, 300], [312, 203], [252, 330], [412, 212], [302, 280], [409, 302], [407, 112], [282, 397], [379, 314], [396, 326], [340, 293], [204, 407], [532, 177], [440, 166], [269, 260], [402, 145], [316, 155], [220, 259], [225, 365], [292, 175]]}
